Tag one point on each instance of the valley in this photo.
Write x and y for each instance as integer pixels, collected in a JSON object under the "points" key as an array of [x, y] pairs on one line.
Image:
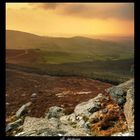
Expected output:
{"points": [[61, 72], [69, 69], [49, 66]]}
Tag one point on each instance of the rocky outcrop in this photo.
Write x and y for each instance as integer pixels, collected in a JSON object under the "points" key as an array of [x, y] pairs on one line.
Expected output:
{"points": [[102, 115], [123, 94], [118, 93], [17, 120], [89, 107], [98, 116], [129, 109], [55, 112]]}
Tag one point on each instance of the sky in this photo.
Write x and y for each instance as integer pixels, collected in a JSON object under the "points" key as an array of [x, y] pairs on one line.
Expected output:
{"points": [[71, 19]]}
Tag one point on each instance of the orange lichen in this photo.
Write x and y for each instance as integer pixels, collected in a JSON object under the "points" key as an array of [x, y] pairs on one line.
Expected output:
{"points": [[10, 119], [111, 122]]}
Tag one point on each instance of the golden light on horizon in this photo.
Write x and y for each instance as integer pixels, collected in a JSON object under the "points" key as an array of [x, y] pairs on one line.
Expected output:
{"points": [[71, 19]]}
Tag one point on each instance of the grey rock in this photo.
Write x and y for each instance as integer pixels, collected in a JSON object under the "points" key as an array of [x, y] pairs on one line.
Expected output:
{"points": [[23, 109], [95, 108], [50, 132], [64, 130], [126, 85], [81, 123], [55, 112], [129, 109], [115, 91], [13, 125], [72, 117], [121, 100], [34, 95], [36, 124], [91, 106], [67, 127], [64, 119], [126, 100], [48, 127], [68, 119], [100, 97], [76, 132], [118, 93], [20, 134], [54, 122], [84, 125], [87, 125]]}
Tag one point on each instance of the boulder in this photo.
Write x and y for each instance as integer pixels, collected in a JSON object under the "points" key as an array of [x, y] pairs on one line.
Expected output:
{"points": [[126, 100], [118, 93], [22, 109], [55, 112], [89, 107]]}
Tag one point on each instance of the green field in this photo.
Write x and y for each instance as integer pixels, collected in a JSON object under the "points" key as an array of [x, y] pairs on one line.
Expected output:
{"points": [[47, 57]]}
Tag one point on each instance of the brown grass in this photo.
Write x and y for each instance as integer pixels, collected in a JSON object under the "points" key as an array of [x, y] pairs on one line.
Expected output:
{"points": [[111, 122]]}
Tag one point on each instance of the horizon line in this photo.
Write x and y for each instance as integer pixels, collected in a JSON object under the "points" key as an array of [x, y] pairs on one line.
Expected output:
{"points": [[71, 36]]}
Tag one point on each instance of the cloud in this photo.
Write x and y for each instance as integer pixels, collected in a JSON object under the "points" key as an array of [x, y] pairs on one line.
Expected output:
{"points": [[124, 11], [46, 6]]}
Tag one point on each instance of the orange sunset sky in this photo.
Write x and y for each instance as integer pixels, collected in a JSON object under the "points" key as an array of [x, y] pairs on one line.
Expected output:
{"points": [[71, 19]]}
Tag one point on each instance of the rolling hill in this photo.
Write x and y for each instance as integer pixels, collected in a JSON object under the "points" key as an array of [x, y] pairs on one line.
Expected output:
{"points": [[76, 56], [84, 47]]}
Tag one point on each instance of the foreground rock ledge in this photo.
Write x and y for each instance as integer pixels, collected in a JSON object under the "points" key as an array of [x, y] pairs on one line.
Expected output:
{"points": [[99, 116], [125, 93]]}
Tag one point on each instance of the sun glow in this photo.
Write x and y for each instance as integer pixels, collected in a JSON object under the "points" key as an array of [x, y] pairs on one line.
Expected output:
{"points": [[60, 20]]}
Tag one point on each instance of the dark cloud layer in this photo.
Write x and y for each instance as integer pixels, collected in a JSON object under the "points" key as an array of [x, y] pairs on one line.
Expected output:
{"points": [[46, 6], [100, 11], [49, 6]]}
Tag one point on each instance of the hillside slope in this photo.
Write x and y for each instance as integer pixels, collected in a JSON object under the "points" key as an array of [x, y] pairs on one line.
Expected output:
{"points": [[80, 56], [79, 45]]}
